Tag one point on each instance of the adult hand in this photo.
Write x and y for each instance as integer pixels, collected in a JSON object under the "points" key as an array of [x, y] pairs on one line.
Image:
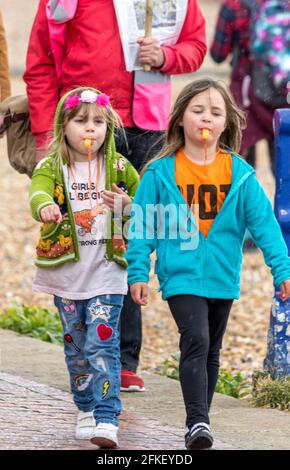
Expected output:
{"points": [[151, 52], [117, 200], [51, 214], [284, 293], [139, 293]]}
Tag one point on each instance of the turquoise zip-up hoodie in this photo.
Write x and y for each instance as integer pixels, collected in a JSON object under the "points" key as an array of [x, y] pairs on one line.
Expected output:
{"points": [[204, 266]]}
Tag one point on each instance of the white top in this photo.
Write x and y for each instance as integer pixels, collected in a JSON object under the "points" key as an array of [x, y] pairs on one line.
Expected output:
{"points": [[93, 275]]}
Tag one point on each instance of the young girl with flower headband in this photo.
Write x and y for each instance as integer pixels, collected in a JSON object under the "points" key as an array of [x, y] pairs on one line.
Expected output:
{"points": [[76, 193], [199, 252]]}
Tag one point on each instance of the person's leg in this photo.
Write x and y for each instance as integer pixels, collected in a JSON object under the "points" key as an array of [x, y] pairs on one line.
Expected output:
{"points": [[137, 147], [130, 334], [102, 350], [219, 310], [191, 316], [72, 314]]}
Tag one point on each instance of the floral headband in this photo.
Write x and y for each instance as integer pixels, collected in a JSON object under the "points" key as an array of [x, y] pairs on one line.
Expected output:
{"points": [[87, 96]]}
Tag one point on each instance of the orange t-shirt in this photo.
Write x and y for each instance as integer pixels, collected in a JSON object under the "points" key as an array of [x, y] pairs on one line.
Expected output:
{"points": [[205, 185]]}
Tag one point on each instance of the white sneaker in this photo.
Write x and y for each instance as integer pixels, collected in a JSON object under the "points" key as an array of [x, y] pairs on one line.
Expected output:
{"points": [[106, 436], [86, 425]]}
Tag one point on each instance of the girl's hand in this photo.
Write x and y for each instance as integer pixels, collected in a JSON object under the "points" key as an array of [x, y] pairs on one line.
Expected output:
{"points": [[139, 292], [117, 200], [151, 52], [51, 214], [284, 293]]}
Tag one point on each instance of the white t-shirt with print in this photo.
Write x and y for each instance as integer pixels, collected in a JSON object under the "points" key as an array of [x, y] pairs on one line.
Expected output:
{"points": [[93, 274]]}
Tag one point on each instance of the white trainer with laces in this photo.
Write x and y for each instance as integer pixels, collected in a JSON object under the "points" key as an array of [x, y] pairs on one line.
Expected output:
{"points": [[105, 436], [86, 425]]}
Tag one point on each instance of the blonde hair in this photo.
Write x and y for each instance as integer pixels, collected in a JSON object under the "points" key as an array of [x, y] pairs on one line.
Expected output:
{"points": [[60, 146], [235, 119]]}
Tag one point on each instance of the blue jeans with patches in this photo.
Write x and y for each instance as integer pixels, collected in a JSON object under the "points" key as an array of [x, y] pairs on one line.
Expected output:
{"points": [[92, 353]]}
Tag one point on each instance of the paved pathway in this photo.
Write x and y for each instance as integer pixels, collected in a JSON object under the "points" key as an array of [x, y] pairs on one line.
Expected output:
{"points": [[38, 417]]}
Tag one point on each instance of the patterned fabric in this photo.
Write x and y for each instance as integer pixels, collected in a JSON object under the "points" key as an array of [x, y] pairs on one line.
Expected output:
{"points": [[58, 242], [232, 32], [81, 280], [271, 39], [233, 37], [92, 352]]}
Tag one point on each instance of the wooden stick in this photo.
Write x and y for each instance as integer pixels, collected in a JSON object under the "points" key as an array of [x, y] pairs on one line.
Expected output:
{"points": [[148, 25]]}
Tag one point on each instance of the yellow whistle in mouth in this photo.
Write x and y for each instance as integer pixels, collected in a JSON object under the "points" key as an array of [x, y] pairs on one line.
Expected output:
{"points": [[204, 134], [87, 143]]}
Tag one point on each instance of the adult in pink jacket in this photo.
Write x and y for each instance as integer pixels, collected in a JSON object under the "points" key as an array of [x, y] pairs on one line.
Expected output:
{"points": [[77, 43]]}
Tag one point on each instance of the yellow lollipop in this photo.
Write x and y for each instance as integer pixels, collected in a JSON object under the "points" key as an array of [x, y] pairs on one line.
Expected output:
{"points": [[87, 143], [204, 134]]}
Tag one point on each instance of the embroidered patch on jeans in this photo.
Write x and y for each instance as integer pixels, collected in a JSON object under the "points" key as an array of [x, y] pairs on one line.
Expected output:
{"points": [[105, 332], [69, 306], [82, 381], [106, 386], [99, 311], [80, 326], [69, 339]]}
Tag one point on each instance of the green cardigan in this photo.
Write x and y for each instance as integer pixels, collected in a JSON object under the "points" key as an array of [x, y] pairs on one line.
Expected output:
{"points": [[58, 243]]}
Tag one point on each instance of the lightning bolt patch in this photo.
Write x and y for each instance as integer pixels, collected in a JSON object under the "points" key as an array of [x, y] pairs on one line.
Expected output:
{"points": [[106, 386]]}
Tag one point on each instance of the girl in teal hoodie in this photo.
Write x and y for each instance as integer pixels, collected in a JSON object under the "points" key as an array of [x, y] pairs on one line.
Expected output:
{"points": [[193, 206]]}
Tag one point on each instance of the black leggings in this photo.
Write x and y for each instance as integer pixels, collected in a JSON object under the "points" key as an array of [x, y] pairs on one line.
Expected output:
{"points": [[201, 323]]}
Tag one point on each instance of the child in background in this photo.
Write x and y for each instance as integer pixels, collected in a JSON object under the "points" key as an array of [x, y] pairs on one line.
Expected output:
{"points": [[199, 255], [76, 193], [232, 38]]}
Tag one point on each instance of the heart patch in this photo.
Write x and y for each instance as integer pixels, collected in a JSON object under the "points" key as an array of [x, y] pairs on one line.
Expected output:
{"points": [[105, 332]]}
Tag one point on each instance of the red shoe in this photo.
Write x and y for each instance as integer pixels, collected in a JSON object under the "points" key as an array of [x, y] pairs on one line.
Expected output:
{"points": [[130, 382]]}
